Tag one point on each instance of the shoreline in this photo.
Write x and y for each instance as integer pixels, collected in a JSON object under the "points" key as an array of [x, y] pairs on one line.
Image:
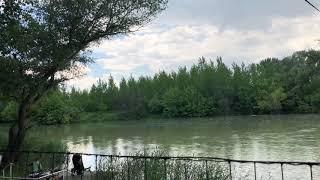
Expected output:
{"points": [[101, 118]]}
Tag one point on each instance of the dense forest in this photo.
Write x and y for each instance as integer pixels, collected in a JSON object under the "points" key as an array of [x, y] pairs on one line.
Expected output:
{"points": [[208, 88]]}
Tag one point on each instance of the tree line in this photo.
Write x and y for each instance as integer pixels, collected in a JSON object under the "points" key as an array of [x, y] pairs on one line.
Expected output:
{"points": [[208, 88]]}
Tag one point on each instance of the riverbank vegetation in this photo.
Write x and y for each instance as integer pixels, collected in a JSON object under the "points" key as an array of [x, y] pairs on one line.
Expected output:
{"points": [[158, 168], [139, 166], [208, 88]]}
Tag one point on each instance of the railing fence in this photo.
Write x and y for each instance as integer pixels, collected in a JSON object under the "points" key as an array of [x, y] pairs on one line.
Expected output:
{"points": [[116, 167]]}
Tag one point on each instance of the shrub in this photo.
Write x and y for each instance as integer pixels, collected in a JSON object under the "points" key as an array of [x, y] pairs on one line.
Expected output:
{"points": [[9, 113]]}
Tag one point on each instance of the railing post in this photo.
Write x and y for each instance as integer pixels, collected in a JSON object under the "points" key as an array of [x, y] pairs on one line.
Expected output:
{"points": [[165, 169], [111, 167], [282, 175], [128, 168], [230, 169], [11, 171], [145, 168], [27, 163], [96, 174], [53, 161], [311, 174], [67, 166], [207, 173], [255, 171], [185, 170]]}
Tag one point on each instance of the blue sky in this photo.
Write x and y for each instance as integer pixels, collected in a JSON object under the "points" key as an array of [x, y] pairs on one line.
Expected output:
{"points": [[238, 31]]}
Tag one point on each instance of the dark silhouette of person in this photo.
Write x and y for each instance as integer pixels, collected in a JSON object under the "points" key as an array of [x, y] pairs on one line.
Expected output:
{"points": [[78, 167]]}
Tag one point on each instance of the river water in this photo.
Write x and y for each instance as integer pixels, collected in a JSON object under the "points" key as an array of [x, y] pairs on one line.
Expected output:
{"points": [[277, 137]]}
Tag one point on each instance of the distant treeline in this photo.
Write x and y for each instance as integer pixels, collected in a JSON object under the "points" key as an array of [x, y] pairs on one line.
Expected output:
{"points": [[289, 85]]}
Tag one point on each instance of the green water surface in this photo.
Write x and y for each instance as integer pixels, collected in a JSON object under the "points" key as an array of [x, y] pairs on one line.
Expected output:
{"points": [[279, 137]]}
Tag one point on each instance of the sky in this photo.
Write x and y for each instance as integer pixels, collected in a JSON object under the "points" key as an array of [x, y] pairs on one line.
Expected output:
{"points": [[239, 31]]}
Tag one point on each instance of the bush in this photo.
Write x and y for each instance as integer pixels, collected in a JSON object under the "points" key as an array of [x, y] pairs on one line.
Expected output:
{"points": [[9, 113], [155, 105], [187, 103], [55, 109]]}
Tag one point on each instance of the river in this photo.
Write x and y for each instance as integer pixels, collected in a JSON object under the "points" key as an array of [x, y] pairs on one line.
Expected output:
{"points": [[277, 137]]}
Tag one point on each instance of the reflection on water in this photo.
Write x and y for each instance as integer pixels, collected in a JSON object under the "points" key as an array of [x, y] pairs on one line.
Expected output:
{"points": [[285, 137]]}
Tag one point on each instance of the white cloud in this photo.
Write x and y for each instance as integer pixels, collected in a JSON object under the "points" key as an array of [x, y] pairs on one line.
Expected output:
{"points": [[84, 82], [157, 48], [226, 14]]}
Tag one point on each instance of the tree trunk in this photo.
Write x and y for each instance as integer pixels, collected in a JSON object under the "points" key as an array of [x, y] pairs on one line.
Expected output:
{"points": [[16, 136]]}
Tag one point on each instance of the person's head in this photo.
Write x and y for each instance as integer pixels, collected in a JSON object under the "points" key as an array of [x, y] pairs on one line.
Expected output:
{"points": [[37, 158]]}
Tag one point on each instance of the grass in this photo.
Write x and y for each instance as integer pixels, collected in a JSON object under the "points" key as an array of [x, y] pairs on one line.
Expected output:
{"points": [[136, 168], [160, 169]]}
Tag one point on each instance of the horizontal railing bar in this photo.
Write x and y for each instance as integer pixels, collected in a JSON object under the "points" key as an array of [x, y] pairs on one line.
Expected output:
{"points": [[192, 158], [42, 177]]}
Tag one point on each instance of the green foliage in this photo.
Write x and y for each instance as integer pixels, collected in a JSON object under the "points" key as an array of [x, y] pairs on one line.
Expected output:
{"points": [[44, 43], [2, 105], [9, 112], [315, 101], [55, 37], [175, 103], [155, 105], [272, 102], [98, 117], [55, 109], [290, 85], [186, 103], [156, 168]]}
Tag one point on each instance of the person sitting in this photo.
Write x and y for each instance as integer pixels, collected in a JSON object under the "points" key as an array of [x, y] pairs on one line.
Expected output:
{"points": [[35, 168], [78, 167]]}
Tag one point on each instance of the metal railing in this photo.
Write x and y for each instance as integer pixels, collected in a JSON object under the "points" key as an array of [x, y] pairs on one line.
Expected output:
{"points": [[104, 167]]}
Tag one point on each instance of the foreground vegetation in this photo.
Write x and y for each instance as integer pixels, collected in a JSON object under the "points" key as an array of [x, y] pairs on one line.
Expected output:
{"points": [[154, 167], [161, 169], [288, 85], [23, 166]]}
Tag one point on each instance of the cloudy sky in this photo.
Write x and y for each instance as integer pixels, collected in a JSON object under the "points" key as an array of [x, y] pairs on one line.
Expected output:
{"points": [[237, 30]]}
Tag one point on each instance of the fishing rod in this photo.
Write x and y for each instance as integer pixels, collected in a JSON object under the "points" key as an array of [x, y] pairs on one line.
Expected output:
{"points": [[312, 5]]}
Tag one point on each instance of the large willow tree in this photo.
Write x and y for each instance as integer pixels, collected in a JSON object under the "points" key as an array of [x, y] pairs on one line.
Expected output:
{"points": [[44, 42]]}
